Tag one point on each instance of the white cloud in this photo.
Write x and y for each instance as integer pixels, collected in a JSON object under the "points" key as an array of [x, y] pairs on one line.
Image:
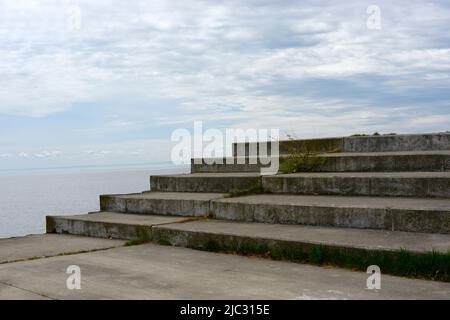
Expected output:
{"points": [[6, 155], [244, 63], [46, 154], [47, 68], [127, 152]]}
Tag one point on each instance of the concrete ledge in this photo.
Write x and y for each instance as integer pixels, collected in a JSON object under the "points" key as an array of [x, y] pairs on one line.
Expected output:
{"points": [[409, 142], [345, 162], [322, 145], [387, 162], [381, 143], [204, 182], [406, 184], [242, 164], [395, 214], [292, 242], [162, 203], [107, 225], [371, 240], [48, 245]]}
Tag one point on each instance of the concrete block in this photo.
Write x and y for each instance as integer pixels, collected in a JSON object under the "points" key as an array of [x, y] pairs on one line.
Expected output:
{"points": [[394, 214], [395, 184], [204, 182], [160, 203]]}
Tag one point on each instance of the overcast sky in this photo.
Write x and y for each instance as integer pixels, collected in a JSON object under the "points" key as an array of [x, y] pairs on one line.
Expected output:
{"points": [[107, 81]]}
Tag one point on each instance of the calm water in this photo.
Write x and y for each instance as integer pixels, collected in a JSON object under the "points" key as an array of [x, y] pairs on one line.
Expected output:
{"points": [[25, 200]]}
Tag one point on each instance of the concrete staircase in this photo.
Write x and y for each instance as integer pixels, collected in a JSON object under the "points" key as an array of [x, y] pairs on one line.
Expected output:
{"points": [[381, 200]]}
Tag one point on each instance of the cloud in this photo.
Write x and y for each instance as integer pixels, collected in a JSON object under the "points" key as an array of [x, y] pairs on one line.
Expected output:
{"points": [[6, 155], [140, 69], [46, 154], [126, 152]]}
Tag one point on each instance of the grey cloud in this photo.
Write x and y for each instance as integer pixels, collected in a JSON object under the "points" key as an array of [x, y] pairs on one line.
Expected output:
{"points": [[244, 61]]}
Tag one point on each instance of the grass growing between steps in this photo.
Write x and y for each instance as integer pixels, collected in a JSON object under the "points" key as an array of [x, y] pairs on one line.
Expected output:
{"points": [[336, 150], [135, 242], [431, 265], [302, 162], [255, 189], [143, 236], [300, 159]]}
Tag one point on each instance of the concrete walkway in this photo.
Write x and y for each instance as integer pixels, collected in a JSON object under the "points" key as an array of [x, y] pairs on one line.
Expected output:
{"points": [[159, 272], [48, 245]]}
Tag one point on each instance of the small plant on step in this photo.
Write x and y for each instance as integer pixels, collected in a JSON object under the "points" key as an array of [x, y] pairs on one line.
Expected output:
{"points": [[336, 150], [300, 160], [142, 237], [255, 189], [135, 242]]}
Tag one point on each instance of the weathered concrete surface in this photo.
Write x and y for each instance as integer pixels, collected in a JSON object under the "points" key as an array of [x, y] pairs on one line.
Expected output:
{"points": [[387, 161], [8, 292], [229, 232], [395, 214], [382, 143], [342, 162], [162, 203], [434, 141], [158, 272], [108, 225], [45, 245], [224, 165], [285, 147], [404, 184], [204, 182]]}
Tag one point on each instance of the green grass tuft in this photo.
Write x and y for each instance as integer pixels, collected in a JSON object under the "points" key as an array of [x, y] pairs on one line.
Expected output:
{"points": [[212, 246], [143, 237], [302, 162], [300, 159], [432, 265], [135, 242], [255, 189]]}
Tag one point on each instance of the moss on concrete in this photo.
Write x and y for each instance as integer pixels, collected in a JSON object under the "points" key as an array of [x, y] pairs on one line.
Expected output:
{"points": [[302, 162], [255, 189], [143, 236]]}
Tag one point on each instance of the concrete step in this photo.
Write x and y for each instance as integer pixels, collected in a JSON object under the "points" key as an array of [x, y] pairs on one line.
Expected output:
{"points": [[161, 203], [404, 184], [401, 253], [108, 225], [353, 248], [231, 233], [204, 182], [385, 213], [381, 143], [341, 162]]}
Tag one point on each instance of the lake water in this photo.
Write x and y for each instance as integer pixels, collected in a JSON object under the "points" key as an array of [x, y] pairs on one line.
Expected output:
{"points": [[27, 198]]}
